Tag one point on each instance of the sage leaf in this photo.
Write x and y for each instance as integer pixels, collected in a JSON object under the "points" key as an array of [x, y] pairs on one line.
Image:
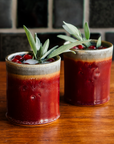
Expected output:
{"points": [[67, 38], [80, 34], [86, 31], [70, 32], [64, 48], [98, 44], [67, 29], [44, 47], [31, 41], [48, 52], [37, 41], [70, 51], [87, 44], [73, 30]]}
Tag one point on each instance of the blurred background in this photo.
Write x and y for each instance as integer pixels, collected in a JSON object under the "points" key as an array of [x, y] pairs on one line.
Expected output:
{"points": [[45, 17]]}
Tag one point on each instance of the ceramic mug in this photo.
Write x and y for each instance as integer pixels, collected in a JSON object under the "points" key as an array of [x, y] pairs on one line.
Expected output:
{"points": [[87, 75], [32, 92]]}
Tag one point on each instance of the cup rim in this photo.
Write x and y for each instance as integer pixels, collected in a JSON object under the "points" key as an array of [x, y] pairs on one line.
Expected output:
{"points": [[8, 60], [110, 46]]}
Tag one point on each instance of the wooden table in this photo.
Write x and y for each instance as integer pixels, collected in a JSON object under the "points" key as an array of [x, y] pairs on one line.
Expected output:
{"points": [[76, 125]]}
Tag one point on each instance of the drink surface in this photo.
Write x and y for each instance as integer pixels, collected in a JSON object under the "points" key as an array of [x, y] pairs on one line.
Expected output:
{"points": [[33, 99], [87, 83]]}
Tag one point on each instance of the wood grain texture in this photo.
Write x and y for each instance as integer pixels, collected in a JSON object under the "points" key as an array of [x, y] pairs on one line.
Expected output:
{"points": [[76, 125]]}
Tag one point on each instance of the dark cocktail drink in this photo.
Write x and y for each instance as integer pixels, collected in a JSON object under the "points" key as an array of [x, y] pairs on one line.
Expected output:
{"points": [[87, 76], [33, 92], [33, 82]]}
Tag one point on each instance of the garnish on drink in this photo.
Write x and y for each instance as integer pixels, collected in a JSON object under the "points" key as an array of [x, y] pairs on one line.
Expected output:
{"points": [[73, 31], [87, 73], [41, 54]]}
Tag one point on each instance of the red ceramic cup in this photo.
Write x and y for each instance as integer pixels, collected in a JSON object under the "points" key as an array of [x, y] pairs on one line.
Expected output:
{"points": [[32, 92], [87, 75]]}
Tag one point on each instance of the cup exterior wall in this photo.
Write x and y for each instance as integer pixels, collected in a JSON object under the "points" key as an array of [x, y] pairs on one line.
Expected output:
{"points": [[32, 92], [87, 76]]}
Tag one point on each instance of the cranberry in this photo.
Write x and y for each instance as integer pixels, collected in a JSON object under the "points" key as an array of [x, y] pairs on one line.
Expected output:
{"points": [[51, 60], [27, 56], [19, 57], [19, 62], [80, 46], [16, 60], [92, 47]]}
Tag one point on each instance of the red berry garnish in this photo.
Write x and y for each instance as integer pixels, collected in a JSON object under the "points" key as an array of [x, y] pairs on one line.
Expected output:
{"points": [[51, 60], [80, 46], [19, 57], [19, 62], [92, 47], [16, 60], [27, 56]]}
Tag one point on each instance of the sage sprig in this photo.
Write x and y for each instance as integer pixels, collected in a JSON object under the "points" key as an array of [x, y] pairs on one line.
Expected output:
{"points": [[73, 31], [41, 52]]}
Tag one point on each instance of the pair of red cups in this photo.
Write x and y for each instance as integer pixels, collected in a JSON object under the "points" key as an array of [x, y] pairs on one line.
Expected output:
{"points": [[33, 90]]}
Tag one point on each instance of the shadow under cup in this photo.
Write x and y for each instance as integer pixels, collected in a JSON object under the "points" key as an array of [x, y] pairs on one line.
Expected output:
{"points": [[32, 92], [87, 75]]}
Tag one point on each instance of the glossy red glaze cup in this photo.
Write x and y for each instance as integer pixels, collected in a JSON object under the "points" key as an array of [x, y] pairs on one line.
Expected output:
{"points": [[87, 76], [32, 92]]}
